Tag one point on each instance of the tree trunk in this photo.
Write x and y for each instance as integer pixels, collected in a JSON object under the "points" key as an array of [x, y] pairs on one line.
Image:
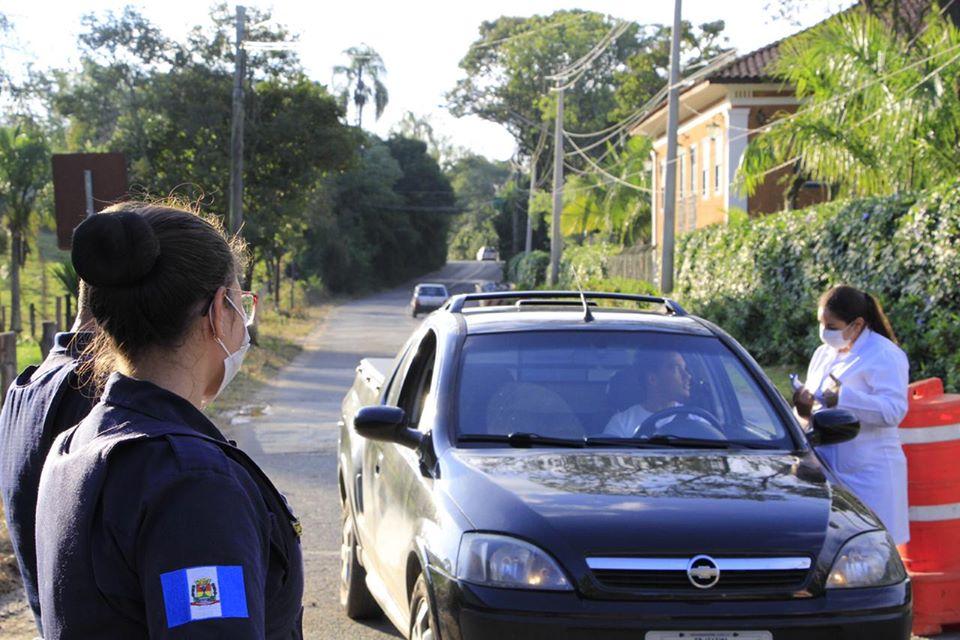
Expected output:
{"points": [[247, 283], [16, 248], [276, 282]]}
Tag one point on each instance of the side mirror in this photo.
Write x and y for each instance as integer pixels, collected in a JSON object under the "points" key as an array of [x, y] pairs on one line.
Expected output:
{"points": [[386, 424], [832, 426]]}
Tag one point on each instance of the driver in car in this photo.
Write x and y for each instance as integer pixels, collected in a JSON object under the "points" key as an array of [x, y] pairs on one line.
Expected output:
{"points": [[665, 383]]}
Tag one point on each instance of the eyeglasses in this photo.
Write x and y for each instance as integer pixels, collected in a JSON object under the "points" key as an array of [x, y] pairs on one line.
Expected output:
{"points": [[248, 303]]}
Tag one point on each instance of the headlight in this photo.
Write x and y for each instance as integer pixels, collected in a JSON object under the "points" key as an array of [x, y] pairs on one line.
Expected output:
{"points": [[501, 561], [867, 560]]}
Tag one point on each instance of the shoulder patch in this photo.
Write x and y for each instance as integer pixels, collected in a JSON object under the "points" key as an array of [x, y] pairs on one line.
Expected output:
{"points": [[201, 593], [197, 454]]}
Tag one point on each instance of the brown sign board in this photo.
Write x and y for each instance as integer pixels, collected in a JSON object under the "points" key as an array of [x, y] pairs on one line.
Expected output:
{"points": [[84, 184]]}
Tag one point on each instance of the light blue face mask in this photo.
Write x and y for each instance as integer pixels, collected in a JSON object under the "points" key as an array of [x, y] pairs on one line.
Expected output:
{"points": [[233, 361]]}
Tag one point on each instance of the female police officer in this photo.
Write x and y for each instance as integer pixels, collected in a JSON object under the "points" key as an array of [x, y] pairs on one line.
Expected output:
{"points": [[149, 522]]}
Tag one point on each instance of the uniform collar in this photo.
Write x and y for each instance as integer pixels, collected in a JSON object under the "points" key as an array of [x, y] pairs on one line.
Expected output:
{"points": [[862, 340], [71, 343], [150, 400]]}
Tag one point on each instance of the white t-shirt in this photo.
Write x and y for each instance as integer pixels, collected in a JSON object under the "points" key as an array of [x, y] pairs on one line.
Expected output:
{"points": [[625, 423]]}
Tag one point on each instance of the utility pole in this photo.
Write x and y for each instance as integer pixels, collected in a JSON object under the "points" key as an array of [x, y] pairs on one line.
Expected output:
{"points": [[236, 132], [670, 180], [555, 239], [528, 246]]}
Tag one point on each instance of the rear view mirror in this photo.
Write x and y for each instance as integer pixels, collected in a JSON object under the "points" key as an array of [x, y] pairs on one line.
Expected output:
{"points": [[386, 424], [833, 426]]}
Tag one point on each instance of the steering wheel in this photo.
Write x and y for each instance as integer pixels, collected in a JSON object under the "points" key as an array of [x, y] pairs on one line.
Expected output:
{"points": [[707, 427]]}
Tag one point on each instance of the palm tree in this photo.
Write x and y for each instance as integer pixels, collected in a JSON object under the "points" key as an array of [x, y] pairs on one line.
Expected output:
{"points": [[24, 171], [879, 113], [362, 78]]}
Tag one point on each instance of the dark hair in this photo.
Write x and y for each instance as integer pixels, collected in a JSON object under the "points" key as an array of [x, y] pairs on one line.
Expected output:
{"points": [[150, 270], [849, 303]]}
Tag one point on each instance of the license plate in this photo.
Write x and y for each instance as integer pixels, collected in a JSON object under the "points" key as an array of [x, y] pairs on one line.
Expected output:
{"points": [[709, 635]]}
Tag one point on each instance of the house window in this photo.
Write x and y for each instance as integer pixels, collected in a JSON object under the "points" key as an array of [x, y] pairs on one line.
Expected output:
{"points": [[681, 170], [705, 171], [717, 165], [693, 170]]}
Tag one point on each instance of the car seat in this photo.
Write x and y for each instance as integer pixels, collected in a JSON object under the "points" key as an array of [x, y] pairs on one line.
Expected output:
{"points": [[532, 408]]}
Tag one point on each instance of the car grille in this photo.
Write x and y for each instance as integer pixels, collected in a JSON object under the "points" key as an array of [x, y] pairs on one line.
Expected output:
{"points": [[670, 574]]}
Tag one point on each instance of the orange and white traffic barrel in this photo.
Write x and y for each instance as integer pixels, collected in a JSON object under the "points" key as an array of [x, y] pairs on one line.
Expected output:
{"points": [[930, 434]]}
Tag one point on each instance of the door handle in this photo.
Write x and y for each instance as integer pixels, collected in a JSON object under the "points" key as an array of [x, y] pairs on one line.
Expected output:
{"points": [[376, 467]]}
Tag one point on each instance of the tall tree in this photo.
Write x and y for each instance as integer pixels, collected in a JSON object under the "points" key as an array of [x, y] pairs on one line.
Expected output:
{"points": [[882, 117], [507, 71], [24, 171], [361, 80]]}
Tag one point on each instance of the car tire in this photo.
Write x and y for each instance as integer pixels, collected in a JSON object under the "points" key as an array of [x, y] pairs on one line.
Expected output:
{"points": [[421, 613], [355, 598], [414, 312]]}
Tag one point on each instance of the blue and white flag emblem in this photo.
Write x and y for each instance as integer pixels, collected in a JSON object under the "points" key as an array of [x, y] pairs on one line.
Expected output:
{"points": [[200, 593]]}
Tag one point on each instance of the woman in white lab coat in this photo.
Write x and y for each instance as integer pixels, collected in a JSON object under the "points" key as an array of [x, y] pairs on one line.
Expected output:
{"points": [[860, 368]]}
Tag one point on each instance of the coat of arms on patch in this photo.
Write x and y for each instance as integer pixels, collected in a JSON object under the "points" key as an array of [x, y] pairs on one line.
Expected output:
{"points": [[203, 593]]}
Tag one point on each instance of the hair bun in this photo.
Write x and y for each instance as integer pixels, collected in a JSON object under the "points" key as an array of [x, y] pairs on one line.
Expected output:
{"points": [[114, 249]]}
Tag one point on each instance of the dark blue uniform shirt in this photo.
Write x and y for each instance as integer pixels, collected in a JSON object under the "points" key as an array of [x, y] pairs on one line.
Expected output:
{"points": [[40, 404], [151, 524]]}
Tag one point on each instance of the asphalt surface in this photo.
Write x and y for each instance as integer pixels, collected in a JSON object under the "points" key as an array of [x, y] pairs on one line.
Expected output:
{"points": [[289, 428]]}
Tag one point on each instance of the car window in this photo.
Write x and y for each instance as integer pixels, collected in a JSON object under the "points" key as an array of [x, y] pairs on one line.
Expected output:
{"points": [[434, 292], [607, 383], [415, 391]]}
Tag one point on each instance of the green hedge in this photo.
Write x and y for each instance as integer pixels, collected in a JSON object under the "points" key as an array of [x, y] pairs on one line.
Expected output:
{"points": [[760, 280], [528, 270]]}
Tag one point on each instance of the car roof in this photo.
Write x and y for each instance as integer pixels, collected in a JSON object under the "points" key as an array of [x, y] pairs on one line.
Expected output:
{"points": [[509, 319], [431, 284]]}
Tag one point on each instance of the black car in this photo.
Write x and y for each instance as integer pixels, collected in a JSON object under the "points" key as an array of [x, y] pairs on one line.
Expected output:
{"points": [[564, 467]]}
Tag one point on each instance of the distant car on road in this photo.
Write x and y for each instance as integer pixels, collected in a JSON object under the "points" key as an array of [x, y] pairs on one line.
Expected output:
{"points": [[488, 253], [561, 468], [427, 296]]}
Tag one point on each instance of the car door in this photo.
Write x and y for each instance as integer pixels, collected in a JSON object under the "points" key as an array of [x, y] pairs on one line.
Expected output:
{"points": [[398, 493], [371, 461]]}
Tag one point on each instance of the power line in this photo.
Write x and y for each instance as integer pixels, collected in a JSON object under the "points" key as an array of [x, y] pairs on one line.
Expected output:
{"points": [[529, 32]]}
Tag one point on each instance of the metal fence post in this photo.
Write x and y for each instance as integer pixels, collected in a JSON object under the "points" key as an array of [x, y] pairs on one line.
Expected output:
{"points": [[33, 321], [59, 318]]}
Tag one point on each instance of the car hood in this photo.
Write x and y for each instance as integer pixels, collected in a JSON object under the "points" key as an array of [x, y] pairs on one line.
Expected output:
{"points": [[657, 502]]}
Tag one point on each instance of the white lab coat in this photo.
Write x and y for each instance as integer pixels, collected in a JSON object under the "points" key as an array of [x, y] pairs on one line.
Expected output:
{"points": [[873, 377]]}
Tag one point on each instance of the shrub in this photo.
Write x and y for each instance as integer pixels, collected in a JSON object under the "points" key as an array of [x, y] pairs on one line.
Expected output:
{"points": [[529, 270], [760, 280], [585, 263]]}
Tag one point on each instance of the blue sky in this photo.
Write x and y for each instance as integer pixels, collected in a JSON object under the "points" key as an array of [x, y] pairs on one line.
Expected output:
{"points": [[421, 41]]}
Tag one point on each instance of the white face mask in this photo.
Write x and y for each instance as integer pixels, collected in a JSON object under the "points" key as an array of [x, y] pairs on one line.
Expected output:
{"points": [[833, 338], [233, 361]]}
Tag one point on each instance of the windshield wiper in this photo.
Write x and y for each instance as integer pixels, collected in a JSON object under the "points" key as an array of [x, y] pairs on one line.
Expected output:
{"points": [[613, 441], [681, 442], [524, 440], [745, 444]]}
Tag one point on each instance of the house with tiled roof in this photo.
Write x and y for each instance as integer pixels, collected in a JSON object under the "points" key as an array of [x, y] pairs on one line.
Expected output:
{"points": [[721, 107]]}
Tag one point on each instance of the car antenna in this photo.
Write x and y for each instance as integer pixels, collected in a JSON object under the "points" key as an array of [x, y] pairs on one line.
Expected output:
{"points": [[587, 315]]}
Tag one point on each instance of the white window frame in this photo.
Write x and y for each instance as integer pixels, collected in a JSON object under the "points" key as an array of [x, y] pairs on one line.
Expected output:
{"points": [[718, 164], [705, 168]]}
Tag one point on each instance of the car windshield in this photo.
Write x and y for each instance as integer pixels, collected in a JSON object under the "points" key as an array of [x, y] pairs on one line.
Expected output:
{"points": [[433, 292], [610, 388]]}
